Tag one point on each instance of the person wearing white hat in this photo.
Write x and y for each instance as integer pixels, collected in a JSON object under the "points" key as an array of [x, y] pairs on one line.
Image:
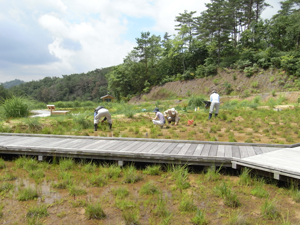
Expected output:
{"points": [[215, 103], [171, 115]]}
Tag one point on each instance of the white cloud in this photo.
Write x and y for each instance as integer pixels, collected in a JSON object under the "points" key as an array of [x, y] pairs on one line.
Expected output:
{"points": [[75, 36]]}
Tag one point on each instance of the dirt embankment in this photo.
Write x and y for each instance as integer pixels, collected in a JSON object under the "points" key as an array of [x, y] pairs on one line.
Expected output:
{"points": [[227, 82]]}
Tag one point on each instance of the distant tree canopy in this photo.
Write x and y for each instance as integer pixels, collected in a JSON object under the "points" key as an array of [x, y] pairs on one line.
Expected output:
{"points": [[84, 86], [228, 34], [12, 83]]}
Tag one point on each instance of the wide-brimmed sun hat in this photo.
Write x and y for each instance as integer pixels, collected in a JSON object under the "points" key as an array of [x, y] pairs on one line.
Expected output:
{"points": [[156, 110]]}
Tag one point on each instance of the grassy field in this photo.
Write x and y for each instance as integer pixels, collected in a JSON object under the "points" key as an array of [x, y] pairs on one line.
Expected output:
{"points": [[66, 191], [238, 121]]}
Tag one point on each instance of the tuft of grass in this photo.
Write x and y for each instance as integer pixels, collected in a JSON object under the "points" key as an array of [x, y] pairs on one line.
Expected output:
{"points": [[131, 216], [199, 218], [230, 197], [269, 210], [131, 175], [245, 178], [213, 174], [89, 167], [152, 170], [120, 192], [5, 187], [161, 209], [180, 175], [187, 204], [2, 164], [8, 177], [113, 171], [94, 211], [149, 188], [98, 180], [237, 218], [27, 194], [66, 164], [76, 191], [38, 211]]}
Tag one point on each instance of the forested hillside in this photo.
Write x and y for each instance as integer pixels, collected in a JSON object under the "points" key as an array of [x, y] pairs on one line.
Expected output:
{"points": [[227, 35], [13, 83], [84, 86]]}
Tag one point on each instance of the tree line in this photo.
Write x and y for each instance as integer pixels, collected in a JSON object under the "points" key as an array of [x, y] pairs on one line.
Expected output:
{"points": [[227, 34]]}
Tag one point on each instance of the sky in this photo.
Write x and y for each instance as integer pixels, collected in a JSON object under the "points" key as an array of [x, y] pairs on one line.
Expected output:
{"points": [[51, 38]]}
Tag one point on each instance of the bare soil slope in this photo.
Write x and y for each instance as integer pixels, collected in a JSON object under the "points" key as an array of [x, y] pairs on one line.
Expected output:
{"points": [[264, 81]]}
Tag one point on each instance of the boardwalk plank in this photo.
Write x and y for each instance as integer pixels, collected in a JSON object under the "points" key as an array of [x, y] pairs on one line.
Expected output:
{"points": [[177, 149], [144, 146], [250, 150], [236, 152], [228, 151], [184, 149], [123, 147], [213, 150], [149, 147], [136, 147], [257, 150], [206, 149], [167, 149], [243, 151], [221, 151], [264, 149], [93, 144], [198, 150], [191, 149]]}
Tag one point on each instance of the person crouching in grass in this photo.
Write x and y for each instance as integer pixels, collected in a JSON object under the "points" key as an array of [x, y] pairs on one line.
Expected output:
{"points": [[159, 118]]}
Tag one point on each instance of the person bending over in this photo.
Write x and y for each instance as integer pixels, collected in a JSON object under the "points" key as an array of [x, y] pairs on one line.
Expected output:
{"points": [[100, 111]]}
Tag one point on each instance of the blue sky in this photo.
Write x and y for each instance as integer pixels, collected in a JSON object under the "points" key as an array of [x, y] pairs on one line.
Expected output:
{"points": [[42, 38]]}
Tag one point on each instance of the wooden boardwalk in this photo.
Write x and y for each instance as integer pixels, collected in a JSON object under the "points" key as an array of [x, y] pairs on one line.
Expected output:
{"points": [[280, 160]]}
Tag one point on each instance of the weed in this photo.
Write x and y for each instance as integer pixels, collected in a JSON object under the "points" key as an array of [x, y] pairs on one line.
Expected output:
{"points": [[237, 218], [149, 189], [113, 171], [2, 164], [270, 211], [27, 194], [245, 178], [98, 180], [5, 187], [161, 207], [187, 204], [120, 192], [89, 168], [75, 191], [131, 175], [199, 218], [131, 216], [66, 164], [94, 211], [180, 174], [152, 170], [213, 174], [38, 211]]}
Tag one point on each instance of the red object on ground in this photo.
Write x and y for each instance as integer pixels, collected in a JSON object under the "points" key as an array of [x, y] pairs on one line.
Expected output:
{"points": [[190, 122]]}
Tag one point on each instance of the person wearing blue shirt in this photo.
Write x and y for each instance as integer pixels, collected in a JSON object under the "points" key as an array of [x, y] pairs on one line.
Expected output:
{"points": [[215, 103]]}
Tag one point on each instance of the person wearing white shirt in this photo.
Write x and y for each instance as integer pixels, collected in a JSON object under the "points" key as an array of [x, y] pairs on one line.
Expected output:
{"points": [[215, 103]]}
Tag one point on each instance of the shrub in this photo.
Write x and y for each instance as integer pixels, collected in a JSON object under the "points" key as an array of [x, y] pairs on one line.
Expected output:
{"points": [[15, 107]]}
